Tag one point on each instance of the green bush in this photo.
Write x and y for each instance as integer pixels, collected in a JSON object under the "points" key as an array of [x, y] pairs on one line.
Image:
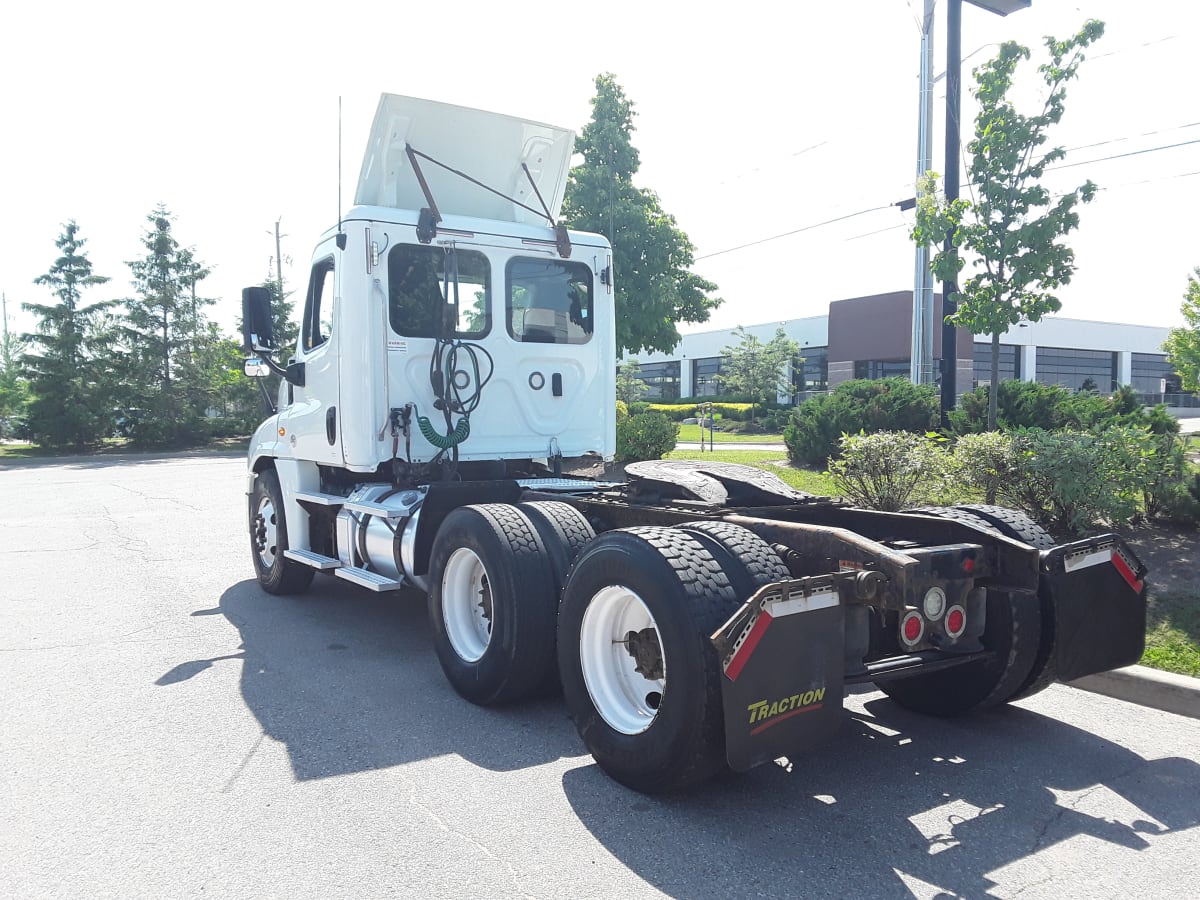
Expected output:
{"points": [[1019, 404], [648, 435], [1074, 481], [890, 470], [985, 462], [889, 404], [622, 411], [1180, 502]]}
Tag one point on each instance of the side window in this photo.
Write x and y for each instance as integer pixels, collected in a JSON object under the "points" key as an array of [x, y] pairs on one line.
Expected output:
{"points": [[549, 301], [318, 305], [422, 296]]}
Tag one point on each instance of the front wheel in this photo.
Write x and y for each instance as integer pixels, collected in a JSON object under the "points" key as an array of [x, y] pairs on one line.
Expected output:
{"points": [[640, 676], [269, 539]]}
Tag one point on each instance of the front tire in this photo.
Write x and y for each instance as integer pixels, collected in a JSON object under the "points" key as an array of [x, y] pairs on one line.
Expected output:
{"points": [[492, 603], [269, 539], [640, 676]]}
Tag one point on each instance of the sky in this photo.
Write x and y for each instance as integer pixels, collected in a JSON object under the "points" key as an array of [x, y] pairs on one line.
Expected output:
{"points": [[757, 124]]}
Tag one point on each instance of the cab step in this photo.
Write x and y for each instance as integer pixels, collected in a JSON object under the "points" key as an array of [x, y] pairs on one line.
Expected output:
{"points": [[372, 581], [316, 560], [320, 499]]}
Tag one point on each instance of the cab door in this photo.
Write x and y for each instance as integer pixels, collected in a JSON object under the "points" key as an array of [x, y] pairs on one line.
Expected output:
{"points": [[313, 428]]}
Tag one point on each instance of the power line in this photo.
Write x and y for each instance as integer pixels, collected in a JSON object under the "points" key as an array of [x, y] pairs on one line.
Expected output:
{"points": [[1123, 155], [775, 237]]}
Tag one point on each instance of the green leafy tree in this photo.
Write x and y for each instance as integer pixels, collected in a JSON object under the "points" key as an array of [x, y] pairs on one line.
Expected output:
{"points": [[66, 360], [164, 325], [1013, 229], [757, 370], [651, 255], [1183, 344], [630, 386]]}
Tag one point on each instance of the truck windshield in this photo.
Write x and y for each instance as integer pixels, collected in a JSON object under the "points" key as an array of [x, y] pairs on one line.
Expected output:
{"points": [[549, 301], [417, 285]]}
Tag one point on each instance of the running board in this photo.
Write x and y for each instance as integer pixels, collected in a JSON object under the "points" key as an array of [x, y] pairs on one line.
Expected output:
{"points": [[372, 581], [316, 560], [320, 499]]}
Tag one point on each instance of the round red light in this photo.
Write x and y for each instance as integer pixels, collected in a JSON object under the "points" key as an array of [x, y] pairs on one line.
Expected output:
{"points": [[956, 621], [968, 565], [912, 628]]}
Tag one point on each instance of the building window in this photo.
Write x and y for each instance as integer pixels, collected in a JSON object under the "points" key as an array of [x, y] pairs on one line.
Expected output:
{"points": [[812, 375], [1077, 369], [661, 380], [881, 368], [704, 372], [1150, 373], [1010, 363]]}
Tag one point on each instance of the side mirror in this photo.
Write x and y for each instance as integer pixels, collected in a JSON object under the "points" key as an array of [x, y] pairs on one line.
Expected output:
{"points": [[255, 368], [257, 329]]}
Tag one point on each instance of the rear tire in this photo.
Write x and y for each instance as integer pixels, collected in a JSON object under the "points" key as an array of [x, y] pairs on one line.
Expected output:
{"points": [[1019, 526], [640, 676], [747, 559], [1012, 523], [492, 603], [269, 539]]}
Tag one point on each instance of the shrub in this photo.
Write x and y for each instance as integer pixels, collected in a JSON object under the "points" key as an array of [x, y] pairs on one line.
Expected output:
{"points": [[985, 462], [890, 470], [648, 435], [1180, 502], [1073, 480], [1019, 404], [622, 411], [887, 404]]}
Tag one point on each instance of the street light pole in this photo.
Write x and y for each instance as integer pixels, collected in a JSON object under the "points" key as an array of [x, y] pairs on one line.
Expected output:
{"points": [[921, 357], [949, 306]]}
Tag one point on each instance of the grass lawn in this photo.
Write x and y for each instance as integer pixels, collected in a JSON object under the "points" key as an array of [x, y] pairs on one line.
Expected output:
{"points": [[1173, 634], [773, 461], [692, 433]]}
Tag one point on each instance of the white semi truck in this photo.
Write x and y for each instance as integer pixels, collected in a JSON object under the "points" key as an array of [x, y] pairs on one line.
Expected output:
{"points": [[443, 425]]}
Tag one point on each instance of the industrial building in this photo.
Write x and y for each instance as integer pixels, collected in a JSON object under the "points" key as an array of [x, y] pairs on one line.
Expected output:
{"points": [[870, 337]]}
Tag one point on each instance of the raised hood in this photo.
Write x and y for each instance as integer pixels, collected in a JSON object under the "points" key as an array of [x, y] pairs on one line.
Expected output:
{"points": [[487, 146]]}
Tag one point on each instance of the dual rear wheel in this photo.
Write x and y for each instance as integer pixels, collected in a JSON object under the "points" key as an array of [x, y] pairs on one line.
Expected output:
{"points": [[627, 616]]}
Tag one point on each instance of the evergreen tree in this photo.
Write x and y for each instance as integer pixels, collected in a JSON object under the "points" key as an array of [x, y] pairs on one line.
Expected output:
{"points": [[651, 255], [630, 386], [164, 326], [66, 361]]}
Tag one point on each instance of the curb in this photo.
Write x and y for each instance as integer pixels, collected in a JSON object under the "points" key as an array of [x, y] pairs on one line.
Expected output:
{"points": [[1178, 694]]}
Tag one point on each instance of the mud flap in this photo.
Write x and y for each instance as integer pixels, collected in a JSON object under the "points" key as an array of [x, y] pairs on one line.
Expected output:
{"points": [[782, 659], [1097, 590]]}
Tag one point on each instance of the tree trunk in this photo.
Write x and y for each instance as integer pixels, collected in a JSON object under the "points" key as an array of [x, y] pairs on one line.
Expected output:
{"points": [[994, 388]]}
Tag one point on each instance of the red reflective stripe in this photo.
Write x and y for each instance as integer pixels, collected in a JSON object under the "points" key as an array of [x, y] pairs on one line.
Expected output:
{"points": [[1126, 572], [742, 656]]}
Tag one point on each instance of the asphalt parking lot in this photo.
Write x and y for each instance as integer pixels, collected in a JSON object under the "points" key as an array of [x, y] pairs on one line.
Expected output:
{"points": [[166, 729]]}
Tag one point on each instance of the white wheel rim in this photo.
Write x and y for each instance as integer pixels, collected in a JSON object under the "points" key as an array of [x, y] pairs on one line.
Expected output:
{"points": [[266, 533], [628, 700], [467, 604]]}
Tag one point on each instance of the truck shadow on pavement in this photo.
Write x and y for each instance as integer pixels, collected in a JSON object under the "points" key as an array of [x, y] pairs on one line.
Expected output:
{"points": [[900, 805], [348, 681]]}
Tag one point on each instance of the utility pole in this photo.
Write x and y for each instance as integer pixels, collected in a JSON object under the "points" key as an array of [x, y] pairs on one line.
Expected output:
{"points": [[278, 259], [921, 356], [953, 106]]}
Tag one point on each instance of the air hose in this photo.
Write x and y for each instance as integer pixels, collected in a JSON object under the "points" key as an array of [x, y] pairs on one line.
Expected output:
{"points": [[460, 433]]}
